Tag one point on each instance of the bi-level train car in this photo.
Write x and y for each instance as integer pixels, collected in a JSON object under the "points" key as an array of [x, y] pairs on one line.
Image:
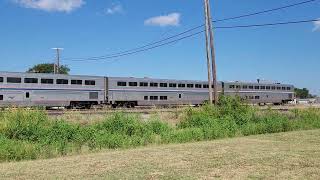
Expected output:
{"points": [[147, 91], [260, 93], [49, 90], [56, 90]]}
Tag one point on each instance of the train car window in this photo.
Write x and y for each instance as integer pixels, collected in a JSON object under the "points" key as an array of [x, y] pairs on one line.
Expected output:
{"points": [[250, 87], [122, 83], [189, 85], [212, 86], [257, 97], [198, 86], [163, 85], [163, 97], [93, 95], [76, 82], [263, 87], [231, 87], [62, 81], [273, 87], [206, 86], [181, 85], [90, 82], [238, 87], [133, 84], [257, 87], [173, 85], [244, 87], [289, 88], [154, 98], [278, 88], [1, 79], [27, 95], [153, 84], [284, 88], [31, 80], [268, 87], [46, 81], [146, 98], [143, 84], [13, 80], [1, 97]]}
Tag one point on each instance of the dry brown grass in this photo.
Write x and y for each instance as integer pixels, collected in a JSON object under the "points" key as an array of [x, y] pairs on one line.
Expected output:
{"points": [[294, 155], [172, 117]]}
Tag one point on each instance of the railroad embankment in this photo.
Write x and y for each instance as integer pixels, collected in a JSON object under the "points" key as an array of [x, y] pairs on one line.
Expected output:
{"points": [[29, 134]]}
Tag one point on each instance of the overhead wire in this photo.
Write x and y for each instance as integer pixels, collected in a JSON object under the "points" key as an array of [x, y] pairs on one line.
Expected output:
{"points": [[187, 31], [197, 33]]}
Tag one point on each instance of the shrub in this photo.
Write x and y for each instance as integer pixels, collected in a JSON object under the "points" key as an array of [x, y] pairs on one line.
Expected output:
{"points": [[14, 150], [24, 124], [26, 134]]}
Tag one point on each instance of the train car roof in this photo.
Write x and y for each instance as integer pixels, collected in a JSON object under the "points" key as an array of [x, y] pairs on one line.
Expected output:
{"points": [[46, 75], [6, 73], [157, 79], [256, 83]]}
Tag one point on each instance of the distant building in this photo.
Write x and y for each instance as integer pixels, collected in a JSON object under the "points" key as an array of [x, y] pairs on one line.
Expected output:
{"points": [[307, 101]]}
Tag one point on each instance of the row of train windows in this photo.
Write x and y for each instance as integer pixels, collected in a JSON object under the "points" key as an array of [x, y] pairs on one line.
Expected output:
{"points": [[252, 97], [47, 81], [260, 87], [153, 84], [155, 98]]}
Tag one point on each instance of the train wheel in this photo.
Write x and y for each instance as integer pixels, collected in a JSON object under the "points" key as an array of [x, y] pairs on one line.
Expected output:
{"points": [[132, 105], [88, 106]]}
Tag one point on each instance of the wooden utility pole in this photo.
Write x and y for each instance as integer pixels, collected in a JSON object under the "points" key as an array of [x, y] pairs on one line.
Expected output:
{"points": [[208, 50], [213, 57], [56, 65]]}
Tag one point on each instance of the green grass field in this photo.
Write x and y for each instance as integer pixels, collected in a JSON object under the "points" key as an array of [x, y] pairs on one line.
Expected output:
{"points": [[290, 155]]}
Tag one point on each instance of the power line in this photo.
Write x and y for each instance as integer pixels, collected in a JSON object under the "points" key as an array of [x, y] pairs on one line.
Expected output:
{"points": [[194, 34], [194, 28], [268, 24]]}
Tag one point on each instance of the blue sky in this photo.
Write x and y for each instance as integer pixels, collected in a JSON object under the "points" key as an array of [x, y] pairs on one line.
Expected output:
{"points": [[287, 54]]}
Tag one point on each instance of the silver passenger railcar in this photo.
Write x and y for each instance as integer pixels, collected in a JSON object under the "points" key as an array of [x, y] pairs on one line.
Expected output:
{"points": [[260, 93], [33, 89], [132, 92]]}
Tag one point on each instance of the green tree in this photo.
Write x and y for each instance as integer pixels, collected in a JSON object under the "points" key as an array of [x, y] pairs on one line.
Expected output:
{"points": [[48, 68], [302, 93]]}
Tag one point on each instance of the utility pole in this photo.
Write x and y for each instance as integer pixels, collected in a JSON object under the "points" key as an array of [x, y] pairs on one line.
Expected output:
{"points": [[56, 65], [208, 50], [212, 50]]}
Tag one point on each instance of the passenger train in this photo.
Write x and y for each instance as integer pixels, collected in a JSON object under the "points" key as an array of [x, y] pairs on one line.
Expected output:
{"points": [[74, 91]]}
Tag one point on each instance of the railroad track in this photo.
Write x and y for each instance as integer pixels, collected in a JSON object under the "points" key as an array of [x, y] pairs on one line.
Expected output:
{"points": [[150, 110], [102, 112]]}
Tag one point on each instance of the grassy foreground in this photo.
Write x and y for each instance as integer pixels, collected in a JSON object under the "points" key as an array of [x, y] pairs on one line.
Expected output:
{"points": [[26, 135], [291, 155]]}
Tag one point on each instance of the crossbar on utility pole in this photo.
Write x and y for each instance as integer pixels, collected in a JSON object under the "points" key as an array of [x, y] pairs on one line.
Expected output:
{"points": [[56, 65], [208, 50], [213, 56]]}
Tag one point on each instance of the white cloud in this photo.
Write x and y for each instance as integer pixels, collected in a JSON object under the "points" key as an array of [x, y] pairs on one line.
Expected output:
{"points": [[172, 19], [316, 26], [51, 5], [114, 9]]}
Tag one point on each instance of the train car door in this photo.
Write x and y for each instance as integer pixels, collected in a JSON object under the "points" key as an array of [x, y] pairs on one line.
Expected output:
{"points": [[27, 98]]}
